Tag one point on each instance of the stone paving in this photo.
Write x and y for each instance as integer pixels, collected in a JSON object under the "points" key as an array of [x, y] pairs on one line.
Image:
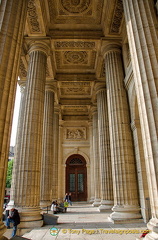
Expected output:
{"points": [[82, 221]]}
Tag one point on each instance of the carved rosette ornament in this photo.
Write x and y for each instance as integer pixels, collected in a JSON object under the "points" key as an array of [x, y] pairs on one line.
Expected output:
{"points": [[76, 57], [75, 6]]}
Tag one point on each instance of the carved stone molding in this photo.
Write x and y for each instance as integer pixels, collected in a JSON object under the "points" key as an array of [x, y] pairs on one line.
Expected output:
{"points": [[117, 17], [102, 73], [75, 6], [75, 133], [74, 44], [75, 88], [75, 57], [22, 70], [33, 17], [72, 11]]}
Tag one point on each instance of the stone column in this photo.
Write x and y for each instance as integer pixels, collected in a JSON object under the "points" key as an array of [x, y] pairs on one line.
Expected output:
{"points": [[61, 166], [55, 155], [96, 158], [143, 43], [141, 169], [91, 163], [47, 149], [104, 150], [16, 164], [26, 182], [122, 151], [12, 23]]}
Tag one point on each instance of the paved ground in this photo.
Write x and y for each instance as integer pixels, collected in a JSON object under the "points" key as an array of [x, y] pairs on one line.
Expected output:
{"points": [[82, 221]]}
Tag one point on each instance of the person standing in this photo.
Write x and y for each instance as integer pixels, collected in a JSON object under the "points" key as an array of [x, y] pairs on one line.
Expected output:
{"points": [[66, 197], [12, 215], [69, 199]]}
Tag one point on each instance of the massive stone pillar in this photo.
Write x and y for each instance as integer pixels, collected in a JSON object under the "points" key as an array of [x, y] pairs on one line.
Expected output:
{"points": [[91, 185], [47, 149], [104, 150], [12, 23], [97, 199], [55, 156], [143, 44], [26, 181], [121, 142]]}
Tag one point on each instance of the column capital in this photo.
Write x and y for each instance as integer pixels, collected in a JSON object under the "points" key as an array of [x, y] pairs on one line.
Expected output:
{"points": [[39, 46], [22, 85], [51, 86], [93, 109], [100, 86], [113, 47]]}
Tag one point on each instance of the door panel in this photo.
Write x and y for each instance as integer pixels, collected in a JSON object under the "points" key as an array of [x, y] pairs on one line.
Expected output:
{"points": [[76, 180]]}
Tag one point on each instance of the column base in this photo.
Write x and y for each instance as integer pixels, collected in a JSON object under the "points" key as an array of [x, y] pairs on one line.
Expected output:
{"points": [[96, 202], [125, 214], [3, 229], [91, 200], [45, 204], [106, 205], [153, 227], [30, 217]]}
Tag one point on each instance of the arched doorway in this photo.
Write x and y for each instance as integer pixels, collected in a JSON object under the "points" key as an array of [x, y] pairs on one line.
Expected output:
{"points": [[76, 177]]}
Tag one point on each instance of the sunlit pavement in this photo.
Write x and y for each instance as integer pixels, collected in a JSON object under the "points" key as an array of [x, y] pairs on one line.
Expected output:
{"points": [[82, 221]]}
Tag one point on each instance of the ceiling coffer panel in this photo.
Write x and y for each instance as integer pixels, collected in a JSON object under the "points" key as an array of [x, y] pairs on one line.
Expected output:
{"points": [[75, 11]]}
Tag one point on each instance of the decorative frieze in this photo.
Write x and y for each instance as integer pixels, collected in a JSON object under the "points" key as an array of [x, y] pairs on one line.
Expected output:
{"points": [[33, 16], [74, 44], [117, 17], [75, 133], [22, 70]]}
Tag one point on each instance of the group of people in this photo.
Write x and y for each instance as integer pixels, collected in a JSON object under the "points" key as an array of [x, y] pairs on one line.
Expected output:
{"points": [[62, 206]]}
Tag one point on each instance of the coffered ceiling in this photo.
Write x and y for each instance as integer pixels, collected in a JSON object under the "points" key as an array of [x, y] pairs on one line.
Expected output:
{"points": [[76, 31]]}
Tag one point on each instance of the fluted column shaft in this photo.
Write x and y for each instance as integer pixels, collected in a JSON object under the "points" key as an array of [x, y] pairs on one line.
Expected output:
{"points": [[92, 197], [16, 165], [47, 148], [141, 169], [12, 23], [122, 154], [27, 179], [104, 151], [55, 156], [96, 160], [143, 44]]}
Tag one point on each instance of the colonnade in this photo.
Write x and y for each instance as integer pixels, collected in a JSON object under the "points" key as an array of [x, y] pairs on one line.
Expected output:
{"points": [[115, 180]]}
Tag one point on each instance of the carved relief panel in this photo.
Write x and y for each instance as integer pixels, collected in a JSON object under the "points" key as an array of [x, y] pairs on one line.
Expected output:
{"points": [[75, 133]]}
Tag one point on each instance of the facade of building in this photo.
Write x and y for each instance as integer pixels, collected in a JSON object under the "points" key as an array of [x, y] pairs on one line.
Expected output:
{"points": [[88, 121]]}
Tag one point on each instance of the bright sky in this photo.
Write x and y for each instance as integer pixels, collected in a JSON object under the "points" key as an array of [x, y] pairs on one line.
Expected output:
{"points": [[15, 116]]}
